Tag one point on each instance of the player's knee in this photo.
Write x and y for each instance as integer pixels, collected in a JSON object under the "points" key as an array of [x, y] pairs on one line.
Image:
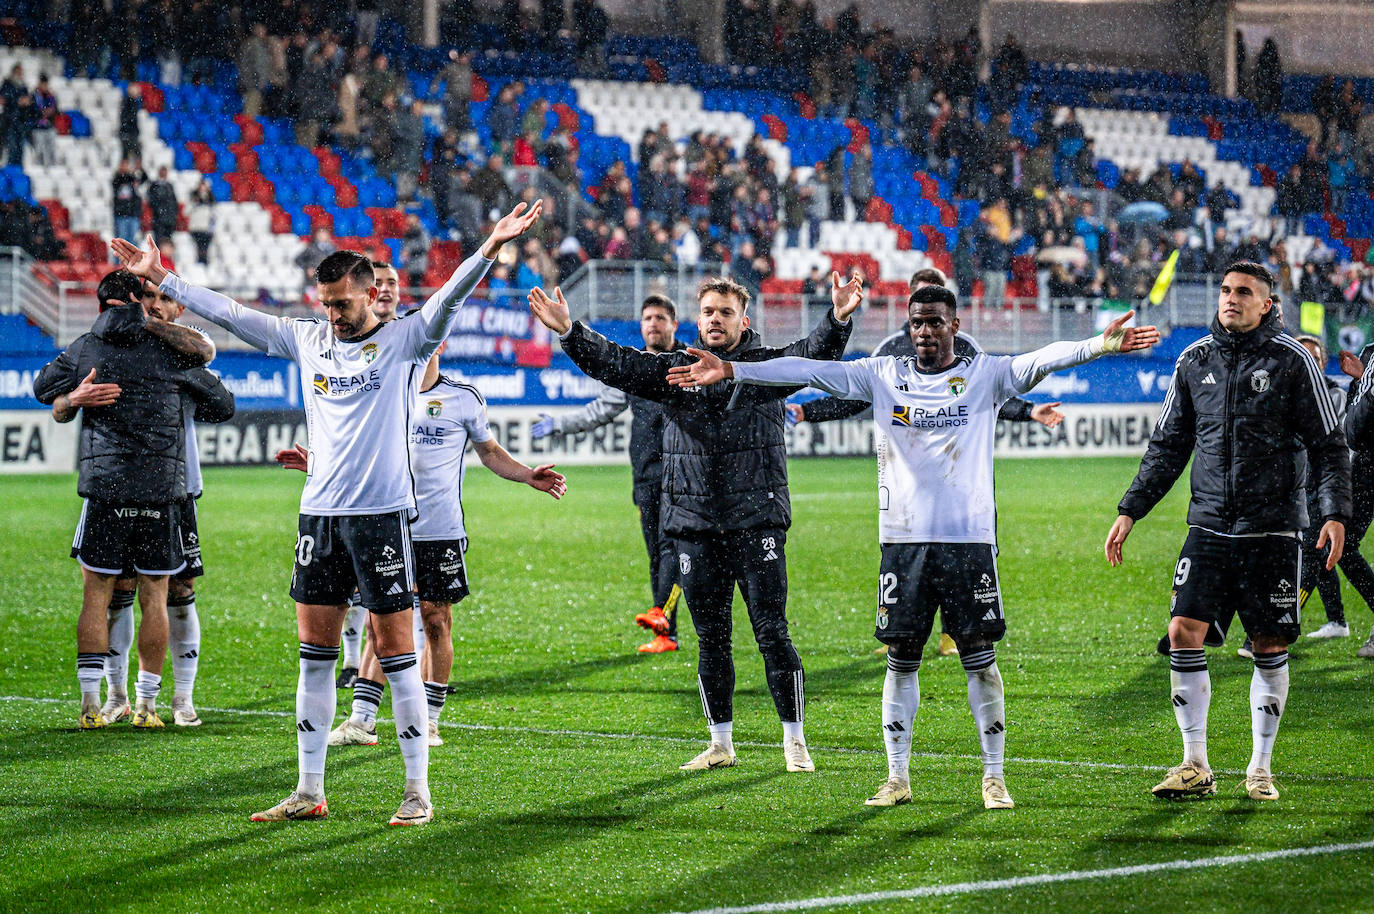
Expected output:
{"points": [[905, 652], [1268, 644], [437, 620], [179, 590], [1185, 633]]}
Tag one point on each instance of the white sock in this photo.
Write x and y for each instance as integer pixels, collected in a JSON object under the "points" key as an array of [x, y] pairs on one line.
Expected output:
{"points": [[1268, 698], [119, 619], [1191, 693], [985, 700], [901, 701], [146, 687], [354, 620], [315, 702], [723, 735], [408, 707], [367, 698], [184, 630], [435, 693], [90, 667]]}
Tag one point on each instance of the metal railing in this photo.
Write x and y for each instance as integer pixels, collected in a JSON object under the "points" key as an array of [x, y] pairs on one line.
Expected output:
{"points": [[569, 204], [1015, 325]]}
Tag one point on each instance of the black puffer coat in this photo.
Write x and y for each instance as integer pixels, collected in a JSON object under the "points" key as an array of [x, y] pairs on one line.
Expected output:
{"points": [[1245, 406], [133, 451], [724, 455]]}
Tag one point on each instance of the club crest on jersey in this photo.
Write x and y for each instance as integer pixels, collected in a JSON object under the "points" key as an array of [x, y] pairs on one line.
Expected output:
{"points": [[882, 617], [957, 386], [321, 385], [434, 407], [1260, 381], [901, 415], [369, 353]]}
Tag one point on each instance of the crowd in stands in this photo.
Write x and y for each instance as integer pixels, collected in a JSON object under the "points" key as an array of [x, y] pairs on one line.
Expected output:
{"points": [[702, 201]]}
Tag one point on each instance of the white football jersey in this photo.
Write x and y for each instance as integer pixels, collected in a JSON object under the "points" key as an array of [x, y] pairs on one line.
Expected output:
{"points": [[933, 431], [445, 418], [358, 393]]}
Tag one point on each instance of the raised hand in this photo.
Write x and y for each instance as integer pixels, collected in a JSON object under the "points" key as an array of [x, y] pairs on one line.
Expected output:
{"points": [[512, 225], [1046, 414], [294, 458], [545, 479], [846, 298], [708, 369], [1116, 537], [795, 413], [1351, 364], [143, 264], [551, 312], [1120, 338], [543, 427]]}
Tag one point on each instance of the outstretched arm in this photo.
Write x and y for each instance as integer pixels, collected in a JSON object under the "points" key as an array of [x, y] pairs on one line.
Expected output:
{"points": [[642, 374], [847, 380], [595, 414], [261, 331], [438, 314], [497, 459], [829, 409], [1031, 368]]}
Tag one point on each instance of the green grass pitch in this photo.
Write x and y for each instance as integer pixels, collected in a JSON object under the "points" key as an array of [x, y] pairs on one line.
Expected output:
{"points": [[558, 789]]}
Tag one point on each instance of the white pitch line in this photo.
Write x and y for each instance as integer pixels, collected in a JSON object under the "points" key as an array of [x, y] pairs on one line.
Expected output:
{"points": [[748, 744], [1018, 882]]}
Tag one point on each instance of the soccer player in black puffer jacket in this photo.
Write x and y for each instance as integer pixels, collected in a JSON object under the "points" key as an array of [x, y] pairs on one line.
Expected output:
{"points": [[724, 501], [1244, 404], [132, 473]]}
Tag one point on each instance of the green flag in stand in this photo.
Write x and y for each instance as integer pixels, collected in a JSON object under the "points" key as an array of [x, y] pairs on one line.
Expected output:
{"points": [[1313, 319]]}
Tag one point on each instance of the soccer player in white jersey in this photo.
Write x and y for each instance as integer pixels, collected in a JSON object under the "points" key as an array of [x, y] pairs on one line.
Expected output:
{"points": [[934, 416], [359, 378], [388, 283], [446, 417]]}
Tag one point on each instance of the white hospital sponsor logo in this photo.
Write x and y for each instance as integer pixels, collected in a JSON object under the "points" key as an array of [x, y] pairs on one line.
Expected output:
{"points": [[985, 591], [1284, 596]]}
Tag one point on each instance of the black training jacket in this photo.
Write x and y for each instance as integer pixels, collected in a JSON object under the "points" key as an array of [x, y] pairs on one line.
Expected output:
{"points": [[724, 456], [827, 409], [134, 451], [1245, 406]]}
